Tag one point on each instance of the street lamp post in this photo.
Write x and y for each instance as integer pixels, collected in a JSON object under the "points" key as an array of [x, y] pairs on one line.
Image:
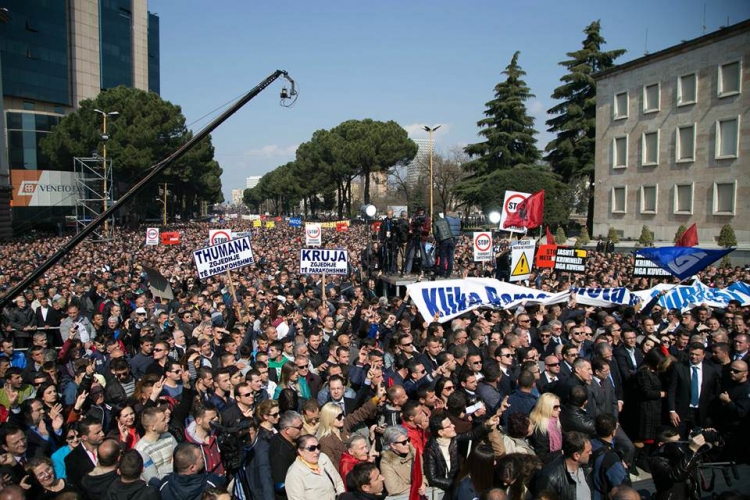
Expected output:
{"points": [[105, 138], [432, 175]]}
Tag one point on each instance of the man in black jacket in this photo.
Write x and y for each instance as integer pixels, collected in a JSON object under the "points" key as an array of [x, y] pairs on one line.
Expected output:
{"points": [[283, 450], [573, 417], [98, 481], [443, 431], [367, 482], [189, 479], [565, 474], [673, 468], [82, 459], [254, 476], [129, 485]]}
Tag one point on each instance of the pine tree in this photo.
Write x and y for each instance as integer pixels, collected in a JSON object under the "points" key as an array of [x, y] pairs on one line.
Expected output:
{"points": [[508, 129], [584, 236], [612, 235], [727, 237], [571, 153], [680, 231], [646, 239], [560, 237]]}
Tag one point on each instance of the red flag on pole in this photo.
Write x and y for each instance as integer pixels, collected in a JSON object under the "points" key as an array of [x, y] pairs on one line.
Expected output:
{"points": [[689, 238], [529, 212], [550, 237]]}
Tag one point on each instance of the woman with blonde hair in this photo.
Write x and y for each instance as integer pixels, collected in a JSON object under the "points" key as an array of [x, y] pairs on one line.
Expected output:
{"points": [[335, 427], [546, 439]]}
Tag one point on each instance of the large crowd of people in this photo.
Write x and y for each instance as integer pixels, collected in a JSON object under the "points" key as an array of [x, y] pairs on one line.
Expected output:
{"points": [[262, 383]]}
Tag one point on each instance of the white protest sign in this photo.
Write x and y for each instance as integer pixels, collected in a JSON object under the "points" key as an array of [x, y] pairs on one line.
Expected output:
{"points": [[483, 247], [216, 236], [329, 261], [512, 199], [313, 234], [522, 258], [451, 298], [226, 256], [152, 236]]}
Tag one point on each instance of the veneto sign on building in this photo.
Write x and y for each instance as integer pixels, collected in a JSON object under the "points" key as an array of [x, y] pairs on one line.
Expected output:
{"points": [[43, 188]]}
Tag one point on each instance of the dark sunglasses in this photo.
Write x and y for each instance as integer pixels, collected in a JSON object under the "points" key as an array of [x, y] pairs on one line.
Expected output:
{"points": [[553, 364], [315, 447], [340, 416], [737, 371], [405, 441], [556, 407]]}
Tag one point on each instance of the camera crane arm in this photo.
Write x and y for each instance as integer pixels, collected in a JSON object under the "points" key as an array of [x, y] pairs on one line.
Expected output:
{"points": [[155, 170]]}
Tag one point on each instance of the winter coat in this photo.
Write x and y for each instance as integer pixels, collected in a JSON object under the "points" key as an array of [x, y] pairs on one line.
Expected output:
{"points": [[436, 469], [255, 473], [555, 477], [396, 471], [137, 490], [573, 418], [649, 404], [346, 465], [176, 486], [303, 484], [210, 450], [96, 486]]}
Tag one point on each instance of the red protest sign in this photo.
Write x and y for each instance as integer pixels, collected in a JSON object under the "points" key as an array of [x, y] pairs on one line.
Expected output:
{"points": [[170, 238], [545, 256]]}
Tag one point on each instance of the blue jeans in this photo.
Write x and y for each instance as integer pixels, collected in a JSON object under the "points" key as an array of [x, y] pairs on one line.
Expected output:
{"points": [[447, 253]]}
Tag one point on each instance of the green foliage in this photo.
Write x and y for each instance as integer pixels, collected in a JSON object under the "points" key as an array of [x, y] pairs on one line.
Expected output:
{"points": [[612, 235], [369, 146], [489, 191], [508, 130], [726, 237], [571, 152], [584, 237], [560, 237], [646, 238], [680, 231], [578, 243], [146, 131]]}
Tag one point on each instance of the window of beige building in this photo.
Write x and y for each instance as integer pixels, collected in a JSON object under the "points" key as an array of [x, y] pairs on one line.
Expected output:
{"points": [[727, 137], [730, 81], [620, 106], [620, 152], [683, 199], [685, 146], [649, 199], [650, 148], [724, 198], [687, 89], [651, 95], [619, 200]]}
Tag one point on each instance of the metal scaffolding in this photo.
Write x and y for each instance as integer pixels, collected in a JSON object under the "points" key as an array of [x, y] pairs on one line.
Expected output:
{"points": [[94, 182]]}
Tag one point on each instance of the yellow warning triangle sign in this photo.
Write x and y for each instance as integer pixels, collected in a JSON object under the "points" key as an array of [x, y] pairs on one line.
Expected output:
{"points": [[522, 267]]}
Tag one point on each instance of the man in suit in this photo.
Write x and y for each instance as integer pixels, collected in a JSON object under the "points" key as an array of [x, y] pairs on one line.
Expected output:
{"points": [[628, 356], [692, 389], [336, 390], [569, 355], [550, 376], [13, 441], [741, 348], [83, 458]]}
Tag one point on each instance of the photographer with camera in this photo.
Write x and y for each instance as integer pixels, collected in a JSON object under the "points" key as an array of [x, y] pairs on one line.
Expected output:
{"points": [[419, 229], [674, 466]]}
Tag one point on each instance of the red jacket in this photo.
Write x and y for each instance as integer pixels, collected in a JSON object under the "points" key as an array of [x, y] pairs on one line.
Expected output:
{"points": [[347, 463]]}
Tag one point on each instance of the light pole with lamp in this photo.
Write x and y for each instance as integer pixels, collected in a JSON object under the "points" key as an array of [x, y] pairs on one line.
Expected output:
{"points": [[369, 212], [105, 138], [432, 177]]}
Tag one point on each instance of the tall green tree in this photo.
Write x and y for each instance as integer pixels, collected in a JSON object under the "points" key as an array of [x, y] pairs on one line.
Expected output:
{"points": [[571, 153], [369, 146], [507, 128], [145, 132]]}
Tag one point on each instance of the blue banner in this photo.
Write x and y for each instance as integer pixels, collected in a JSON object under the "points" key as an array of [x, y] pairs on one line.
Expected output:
{"points": [[682, 262], [295, 222]]}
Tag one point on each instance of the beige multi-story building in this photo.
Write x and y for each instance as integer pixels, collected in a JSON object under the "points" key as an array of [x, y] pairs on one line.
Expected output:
{"points": [[673, 140]]}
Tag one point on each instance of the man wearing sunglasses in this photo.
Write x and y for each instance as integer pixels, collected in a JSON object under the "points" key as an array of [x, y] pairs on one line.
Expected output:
{"points": [[734, 409], [283, 450]]}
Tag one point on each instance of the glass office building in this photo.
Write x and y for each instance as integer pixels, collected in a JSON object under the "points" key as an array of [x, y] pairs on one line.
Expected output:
{"points": [[53, 54]]}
